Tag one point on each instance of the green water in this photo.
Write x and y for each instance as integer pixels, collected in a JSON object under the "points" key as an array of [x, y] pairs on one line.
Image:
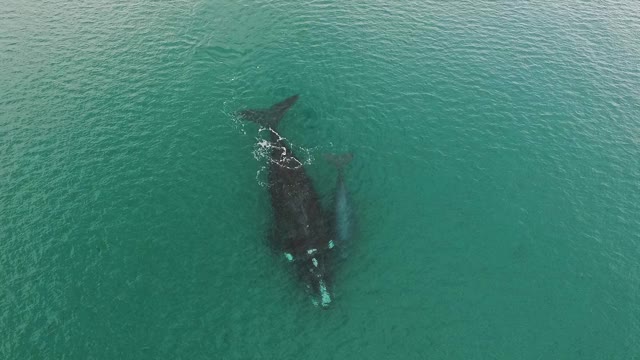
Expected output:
{"points": [[496, 177]]}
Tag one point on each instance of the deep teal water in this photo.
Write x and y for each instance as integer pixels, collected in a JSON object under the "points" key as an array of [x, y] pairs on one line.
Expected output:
{"points": [[496, 174]]}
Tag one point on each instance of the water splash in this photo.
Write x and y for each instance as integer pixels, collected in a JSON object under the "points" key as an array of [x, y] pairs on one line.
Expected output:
{"points": [[263, 147]]}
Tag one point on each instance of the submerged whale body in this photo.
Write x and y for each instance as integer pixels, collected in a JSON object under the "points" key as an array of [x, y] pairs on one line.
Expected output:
{"points": [[343, 213], [302, 230]]}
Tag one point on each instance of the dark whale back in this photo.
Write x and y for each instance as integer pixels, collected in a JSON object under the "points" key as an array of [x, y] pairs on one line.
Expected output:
{"points": [[301, 222], [302, 230]]}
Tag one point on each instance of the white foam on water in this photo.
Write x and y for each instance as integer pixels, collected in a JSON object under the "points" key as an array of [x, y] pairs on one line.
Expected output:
{"points": [[263, 184], [261, 149]]}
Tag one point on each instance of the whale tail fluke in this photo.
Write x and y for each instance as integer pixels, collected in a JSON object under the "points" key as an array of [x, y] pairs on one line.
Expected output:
{"points": [[340, 161], [269, 117]]}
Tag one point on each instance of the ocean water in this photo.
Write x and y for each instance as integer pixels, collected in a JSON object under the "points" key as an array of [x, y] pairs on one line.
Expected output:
{"points": [[496, 176]]}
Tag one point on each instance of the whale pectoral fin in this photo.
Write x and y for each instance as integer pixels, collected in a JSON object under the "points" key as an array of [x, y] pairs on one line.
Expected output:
{"points": [[252, 115], [263, 117], [285, 104], [269, 117]]}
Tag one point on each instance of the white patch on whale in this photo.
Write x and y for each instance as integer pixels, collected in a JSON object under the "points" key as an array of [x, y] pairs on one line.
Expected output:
{"points": [[324, 293]]}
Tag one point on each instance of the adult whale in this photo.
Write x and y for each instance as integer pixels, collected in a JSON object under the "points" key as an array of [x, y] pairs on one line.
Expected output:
{"points": [[302, 230]]}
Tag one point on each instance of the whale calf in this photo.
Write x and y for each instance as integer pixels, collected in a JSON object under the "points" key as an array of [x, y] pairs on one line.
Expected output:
{"points": [[343, 220], [301, 226]]}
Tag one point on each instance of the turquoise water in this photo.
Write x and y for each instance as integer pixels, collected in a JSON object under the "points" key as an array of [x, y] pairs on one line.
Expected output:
{"points": [[496, 177]]}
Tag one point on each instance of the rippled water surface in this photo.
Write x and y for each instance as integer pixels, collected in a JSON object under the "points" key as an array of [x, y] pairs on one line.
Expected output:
{"points": [[496, 178]]}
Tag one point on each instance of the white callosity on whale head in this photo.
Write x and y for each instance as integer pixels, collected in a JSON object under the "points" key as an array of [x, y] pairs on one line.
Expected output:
{"points": [[324, 293], [325, 297], [315, 262]]}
